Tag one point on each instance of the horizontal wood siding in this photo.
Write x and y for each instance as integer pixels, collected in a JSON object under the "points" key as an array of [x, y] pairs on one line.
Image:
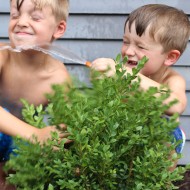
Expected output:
{"points": [[111, 6], [95, 29]]}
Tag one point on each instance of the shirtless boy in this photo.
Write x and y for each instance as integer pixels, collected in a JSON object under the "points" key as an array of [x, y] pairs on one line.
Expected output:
{"points": [[160, 33], [30, 74]]}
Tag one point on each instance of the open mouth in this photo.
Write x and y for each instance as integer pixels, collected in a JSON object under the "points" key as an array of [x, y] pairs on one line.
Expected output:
{"points": [[133, 63]]}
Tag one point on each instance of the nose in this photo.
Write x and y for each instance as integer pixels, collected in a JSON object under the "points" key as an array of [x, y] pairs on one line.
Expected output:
{"points": [[23, 21], [128, 50]]}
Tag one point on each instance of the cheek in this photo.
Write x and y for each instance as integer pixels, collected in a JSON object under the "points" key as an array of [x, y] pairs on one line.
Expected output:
{"points": [[10, 29], [151, 67], [11, 25], [123, 51], [148, 68]]}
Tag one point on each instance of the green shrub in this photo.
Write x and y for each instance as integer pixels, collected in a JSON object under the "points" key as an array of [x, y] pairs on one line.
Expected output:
{"points": [[120, 139]]}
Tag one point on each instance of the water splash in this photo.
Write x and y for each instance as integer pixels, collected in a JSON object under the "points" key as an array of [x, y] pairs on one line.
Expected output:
{"points": [[52, 50]]}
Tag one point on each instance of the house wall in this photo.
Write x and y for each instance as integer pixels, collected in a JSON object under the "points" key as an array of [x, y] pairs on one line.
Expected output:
{"points": [[95, 29]]}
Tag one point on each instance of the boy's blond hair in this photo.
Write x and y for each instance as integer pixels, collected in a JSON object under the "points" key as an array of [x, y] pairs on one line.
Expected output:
{"points": [[60, 8], [168, 25]]}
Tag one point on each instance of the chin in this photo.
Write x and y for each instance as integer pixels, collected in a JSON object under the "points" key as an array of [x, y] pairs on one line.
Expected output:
{"points": [[18, 41], [130, 66], [21, 43]]}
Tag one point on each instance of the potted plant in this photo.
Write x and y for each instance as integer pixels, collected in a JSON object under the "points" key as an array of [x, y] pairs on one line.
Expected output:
{"points": [[119, 134]]}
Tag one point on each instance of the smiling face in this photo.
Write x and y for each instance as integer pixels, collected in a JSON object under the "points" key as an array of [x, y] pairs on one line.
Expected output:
{"points": [[135, 47], [30, 25]]}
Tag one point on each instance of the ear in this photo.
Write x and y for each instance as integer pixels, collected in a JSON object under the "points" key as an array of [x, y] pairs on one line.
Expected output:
{"points": [[172, 57], [60, 30]]}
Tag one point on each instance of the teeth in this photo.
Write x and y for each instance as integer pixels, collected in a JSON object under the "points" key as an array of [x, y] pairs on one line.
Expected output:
{"points": [[132, 62]]}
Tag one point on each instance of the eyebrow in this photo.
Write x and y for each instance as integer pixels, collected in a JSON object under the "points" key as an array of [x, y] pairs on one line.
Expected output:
{"points": [[136, 41], [125, 37]]}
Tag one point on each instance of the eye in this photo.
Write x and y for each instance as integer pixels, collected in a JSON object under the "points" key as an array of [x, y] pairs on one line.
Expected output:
{"points": [[125, 42], [141, 47], [14, 15], [36, 17]]}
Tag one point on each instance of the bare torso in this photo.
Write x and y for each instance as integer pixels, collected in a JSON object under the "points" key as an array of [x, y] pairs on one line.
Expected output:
{"points": [[30, 80]]}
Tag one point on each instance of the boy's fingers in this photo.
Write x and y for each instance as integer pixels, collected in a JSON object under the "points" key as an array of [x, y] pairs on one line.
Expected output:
{"points": [[64, 135], [63, 126], [100, 68], [69, 141], [67, 144]]}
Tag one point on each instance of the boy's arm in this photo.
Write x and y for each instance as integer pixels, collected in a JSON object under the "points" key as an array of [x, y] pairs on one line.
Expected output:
{"points": [[3, 57], [175, 83], [13, 126], [177, 86]]}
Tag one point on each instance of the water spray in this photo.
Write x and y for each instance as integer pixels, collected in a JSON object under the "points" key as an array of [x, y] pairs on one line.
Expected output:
{"points": [[59, 53]]}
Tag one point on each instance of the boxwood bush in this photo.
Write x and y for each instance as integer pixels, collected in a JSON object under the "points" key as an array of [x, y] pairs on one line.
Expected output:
{"points": [[120, 138]]}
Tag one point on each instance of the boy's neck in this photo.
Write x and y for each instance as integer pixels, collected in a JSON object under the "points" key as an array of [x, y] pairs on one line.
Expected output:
{"points": [[29, 58], [161, 75]]}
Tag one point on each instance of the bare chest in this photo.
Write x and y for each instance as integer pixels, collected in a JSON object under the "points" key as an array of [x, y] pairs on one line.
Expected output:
{"points": [[32, 87]]}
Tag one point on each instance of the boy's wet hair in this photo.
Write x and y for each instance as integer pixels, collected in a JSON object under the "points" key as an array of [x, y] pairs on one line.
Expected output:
{"points": [[60, 8], [19, 4], [168, 25]]}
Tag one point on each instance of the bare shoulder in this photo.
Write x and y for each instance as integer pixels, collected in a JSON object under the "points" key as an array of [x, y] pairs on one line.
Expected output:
{"points": [[60, 73], [174, 75], [3, 44], [4, 55], [175, 78]]}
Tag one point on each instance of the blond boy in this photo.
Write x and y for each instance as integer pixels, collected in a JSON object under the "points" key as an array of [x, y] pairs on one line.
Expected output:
{"points": [[30, 74]]}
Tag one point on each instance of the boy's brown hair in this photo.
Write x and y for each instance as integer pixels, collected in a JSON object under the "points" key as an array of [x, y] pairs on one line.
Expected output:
{"points": [[170, 26], [60, 8]]}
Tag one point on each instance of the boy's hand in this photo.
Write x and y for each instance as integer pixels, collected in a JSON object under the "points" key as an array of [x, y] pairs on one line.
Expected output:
{"points": [[104, 65], [45, 133]]}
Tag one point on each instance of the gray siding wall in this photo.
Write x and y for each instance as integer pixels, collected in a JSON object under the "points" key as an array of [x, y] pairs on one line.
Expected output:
{"points": [[95, 29]]}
